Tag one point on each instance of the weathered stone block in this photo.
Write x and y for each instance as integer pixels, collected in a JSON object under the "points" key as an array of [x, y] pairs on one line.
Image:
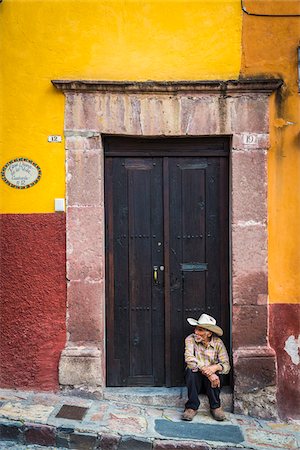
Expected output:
{"points": [[132, 119], [85, 140], [109, 441], [231, 448], [11, 431], [31, 412], [249, 114], [200, 115], [135, 443], [111, 114], [85, 178], [138, 115], [81, 111], [86, 297], [74, 111], [81, 366], [265, 439], [249, 326], [39, 434], [98, 414], [260, 404], [249, 248], [83, 441], [250, 289], [160, 115], [85, 252], [63, 435], [254, 369], [249, 193], [127, 424]]}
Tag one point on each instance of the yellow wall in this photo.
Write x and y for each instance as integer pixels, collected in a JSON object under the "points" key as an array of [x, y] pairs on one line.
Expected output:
{"points": [[270, 48], [140, 40], [96, 39]]}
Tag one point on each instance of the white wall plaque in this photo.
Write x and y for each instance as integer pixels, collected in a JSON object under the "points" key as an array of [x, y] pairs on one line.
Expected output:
{"points": [[54, 138], [59, 204], [250, 139], [21, 173]]}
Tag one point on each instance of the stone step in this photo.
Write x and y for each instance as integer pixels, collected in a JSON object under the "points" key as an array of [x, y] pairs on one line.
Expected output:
{"points": [[174, 397]]}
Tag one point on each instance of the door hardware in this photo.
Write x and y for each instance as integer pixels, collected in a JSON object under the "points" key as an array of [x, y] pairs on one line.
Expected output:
{"points": [[155, 274]]}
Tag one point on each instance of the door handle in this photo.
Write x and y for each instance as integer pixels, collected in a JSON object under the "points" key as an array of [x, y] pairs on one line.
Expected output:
{"points": [[155, 274]]}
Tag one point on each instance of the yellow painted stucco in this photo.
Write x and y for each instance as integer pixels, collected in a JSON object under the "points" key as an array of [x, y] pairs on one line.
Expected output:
{"points": [[141, 40], [270, 49], [95, 39]]}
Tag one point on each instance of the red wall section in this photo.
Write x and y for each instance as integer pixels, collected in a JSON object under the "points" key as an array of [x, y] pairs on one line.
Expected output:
{"points": [[33, 300], [285, 326]]}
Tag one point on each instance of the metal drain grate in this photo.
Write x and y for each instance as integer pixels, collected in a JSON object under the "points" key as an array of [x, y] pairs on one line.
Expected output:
{"points": [[72, 412]]}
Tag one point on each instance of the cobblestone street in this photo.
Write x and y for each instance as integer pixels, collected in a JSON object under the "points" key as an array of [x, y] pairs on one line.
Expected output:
{"points": [[69, 421]]}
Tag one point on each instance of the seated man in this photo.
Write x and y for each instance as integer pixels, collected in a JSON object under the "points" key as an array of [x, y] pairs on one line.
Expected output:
{"points": [[206, 359]]}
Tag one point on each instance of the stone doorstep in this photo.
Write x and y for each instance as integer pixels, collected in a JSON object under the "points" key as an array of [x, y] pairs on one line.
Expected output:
{"points": [[162, 397]]}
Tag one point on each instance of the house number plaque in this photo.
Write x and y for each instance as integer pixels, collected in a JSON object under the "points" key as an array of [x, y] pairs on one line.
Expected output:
{"points": [[21, 173]]}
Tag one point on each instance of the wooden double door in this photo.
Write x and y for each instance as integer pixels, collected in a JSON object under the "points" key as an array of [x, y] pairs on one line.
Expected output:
{"points": [[166, 252]]}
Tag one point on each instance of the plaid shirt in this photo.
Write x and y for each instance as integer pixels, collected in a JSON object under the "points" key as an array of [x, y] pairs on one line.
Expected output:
{"points": [[196, 355]]}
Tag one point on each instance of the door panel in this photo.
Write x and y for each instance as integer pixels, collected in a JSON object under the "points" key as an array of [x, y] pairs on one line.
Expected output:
{"points": [[135, 330], [195, 241], [172, 213]]}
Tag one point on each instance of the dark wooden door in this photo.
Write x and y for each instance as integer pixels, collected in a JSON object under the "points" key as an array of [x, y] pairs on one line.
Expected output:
{"points": [[167, 254]]}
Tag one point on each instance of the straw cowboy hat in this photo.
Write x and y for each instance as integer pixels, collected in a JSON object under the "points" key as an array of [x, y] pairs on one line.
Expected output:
{"points": [[207, 322]]}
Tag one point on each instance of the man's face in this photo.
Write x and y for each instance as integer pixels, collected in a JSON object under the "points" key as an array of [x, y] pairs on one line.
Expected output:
{"points": [[202, 334]]}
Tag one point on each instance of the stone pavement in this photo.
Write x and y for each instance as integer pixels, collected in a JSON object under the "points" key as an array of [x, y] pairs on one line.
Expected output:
{"points": [[81, 421]]}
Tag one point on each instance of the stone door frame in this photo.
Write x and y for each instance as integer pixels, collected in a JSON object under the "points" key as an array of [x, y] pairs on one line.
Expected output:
{"points": [[239, 109]]}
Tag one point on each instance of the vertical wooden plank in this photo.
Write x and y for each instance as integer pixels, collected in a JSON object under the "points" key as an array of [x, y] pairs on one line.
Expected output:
{"points": [[213, 239], [187, 212], [113, 370], [139, 265], [121, 288], [168, 336], [158, 307], [145, 250], [194, 227], [176, 279]]}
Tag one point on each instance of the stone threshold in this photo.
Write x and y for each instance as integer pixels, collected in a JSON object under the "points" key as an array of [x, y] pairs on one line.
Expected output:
{"points": [[174, 397]]}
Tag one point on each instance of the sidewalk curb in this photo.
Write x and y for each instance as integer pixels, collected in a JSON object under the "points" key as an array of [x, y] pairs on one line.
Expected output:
{"points": [[39, 434]]}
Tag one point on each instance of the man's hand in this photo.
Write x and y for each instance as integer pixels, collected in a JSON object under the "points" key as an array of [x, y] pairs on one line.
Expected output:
{"points": [[214, 380], [210, 370]]}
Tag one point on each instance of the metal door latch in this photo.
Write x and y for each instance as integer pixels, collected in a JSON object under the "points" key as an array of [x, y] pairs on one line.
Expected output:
{"points": [[155, 274]]}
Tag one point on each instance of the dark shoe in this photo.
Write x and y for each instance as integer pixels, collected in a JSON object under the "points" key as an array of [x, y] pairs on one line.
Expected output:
{"points": [[189, 414], [218, 414]]}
